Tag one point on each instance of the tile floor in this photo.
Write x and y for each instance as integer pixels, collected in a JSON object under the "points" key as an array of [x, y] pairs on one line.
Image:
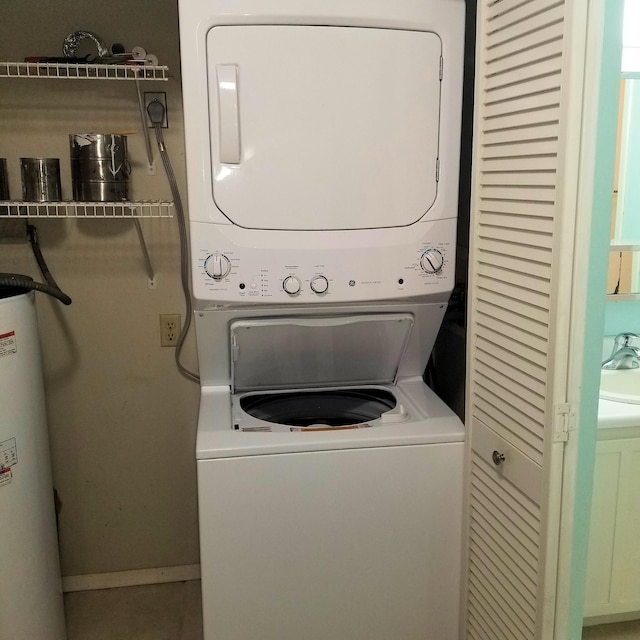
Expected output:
{"points": [[171, 611], [618, 631]]}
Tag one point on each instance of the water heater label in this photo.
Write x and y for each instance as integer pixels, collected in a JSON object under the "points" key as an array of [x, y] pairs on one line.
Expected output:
{"points": [[8, 458], [8, 454], [5, 477], [8, 344]]}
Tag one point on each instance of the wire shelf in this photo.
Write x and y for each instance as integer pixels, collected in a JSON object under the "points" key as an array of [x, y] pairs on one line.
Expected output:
{"points": [[82, 71], [142, 209]]}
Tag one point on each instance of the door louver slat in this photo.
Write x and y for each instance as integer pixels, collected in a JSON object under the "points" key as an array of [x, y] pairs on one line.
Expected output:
{"points": [[528, 193], [522, 521], [526, 394], [534, 254], [530, 88], [530, 18], [502, 602], [488, 350], [517, 610], [518, 578], [524, 296], [522, 164], [511, 417], [531, 283], [535, 323], [515, 178], [522, 75], [547, 49], [485, 617], [522, 134], [517, 149], [543, 100], [509, 221], [534, 238], [514, 332], [507, 618], [510, 549], [528, 407]]}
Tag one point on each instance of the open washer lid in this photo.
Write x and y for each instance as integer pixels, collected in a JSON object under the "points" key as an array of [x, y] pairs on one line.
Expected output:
{"points": [[283, 353]]}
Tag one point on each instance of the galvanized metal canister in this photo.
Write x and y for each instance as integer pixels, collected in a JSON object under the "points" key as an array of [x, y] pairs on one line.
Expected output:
{"points": [[40, 179], [4, 180], [99, 167]]}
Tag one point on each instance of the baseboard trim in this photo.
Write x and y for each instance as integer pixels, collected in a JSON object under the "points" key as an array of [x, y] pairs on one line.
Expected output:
{"points": [[92, 581]]}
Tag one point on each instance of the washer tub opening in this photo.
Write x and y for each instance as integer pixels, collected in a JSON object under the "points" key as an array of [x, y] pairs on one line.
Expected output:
{"points": [[307, 408]]}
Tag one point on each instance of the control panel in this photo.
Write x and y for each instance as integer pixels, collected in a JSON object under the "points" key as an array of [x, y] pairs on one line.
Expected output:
{"points": [[226, 273]]}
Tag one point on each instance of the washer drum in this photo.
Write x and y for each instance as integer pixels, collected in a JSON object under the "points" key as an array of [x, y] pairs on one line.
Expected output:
{"points": [[99, 167]]}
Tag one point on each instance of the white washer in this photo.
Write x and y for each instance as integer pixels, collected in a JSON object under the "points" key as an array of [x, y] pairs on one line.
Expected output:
{"points": [[322, 161], [312, 531]]}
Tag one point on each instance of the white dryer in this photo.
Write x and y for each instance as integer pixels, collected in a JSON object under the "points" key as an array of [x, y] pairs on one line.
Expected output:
{"points": [[322, 162], [322, 148]]}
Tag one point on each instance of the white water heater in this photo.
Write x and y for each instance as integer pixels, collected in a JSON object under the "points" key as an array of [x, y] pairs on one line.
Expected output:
{"points": [[30, 590]]}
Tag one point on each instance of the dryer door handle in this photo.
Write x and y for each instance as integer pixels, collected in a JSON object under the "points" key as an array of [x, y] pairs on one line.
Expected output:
{"points": [[228, 116]]}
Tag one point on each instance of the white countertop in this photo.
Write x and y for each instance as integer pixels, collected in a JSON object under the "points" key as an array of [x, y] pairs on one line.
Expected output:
{"points": [[618, 420]]}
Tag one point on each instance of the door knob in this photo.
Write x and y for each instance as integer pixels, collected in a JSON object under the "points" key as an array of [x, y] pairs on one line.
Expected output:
{"points": [[498, 458]]}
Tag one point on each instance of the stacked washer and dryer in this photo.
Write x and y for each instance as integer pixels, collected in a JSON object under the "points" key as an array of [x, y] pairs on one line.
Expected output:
{"points": [[322, 163]]}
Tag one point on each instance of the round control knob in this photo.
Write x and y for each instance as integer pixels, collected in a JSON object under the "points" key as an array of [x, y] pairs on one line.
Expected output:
{"points": [[319, 284], [217, 266], [291, 285], [432, 261]]}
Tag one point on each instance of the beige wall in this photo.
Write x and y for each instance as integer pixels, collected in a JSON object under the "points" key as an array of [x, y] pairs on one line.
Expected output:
{"points": [[121, 418]]}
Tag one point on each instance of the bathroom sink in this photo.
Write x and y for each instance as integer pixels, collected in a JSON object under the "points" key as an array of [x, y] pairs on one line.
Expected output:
{"points": [[620, 385]]}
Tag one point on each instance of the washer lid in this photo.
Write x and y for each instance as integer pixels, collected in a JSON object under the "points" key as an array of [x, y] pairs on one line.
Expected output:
{"points": [[282, 353]]}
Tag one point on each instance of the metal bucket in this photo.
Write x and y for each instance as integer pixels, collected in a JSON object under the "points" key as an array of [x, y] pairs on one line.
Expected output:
{"points": [[40, 179], [4, 180], [4, 186], [99, 167]]}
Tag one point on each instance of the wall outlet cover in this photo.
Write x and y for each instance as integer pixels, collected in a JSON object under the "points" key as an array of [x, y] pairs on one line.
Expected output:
{"points": [[170, 327]]}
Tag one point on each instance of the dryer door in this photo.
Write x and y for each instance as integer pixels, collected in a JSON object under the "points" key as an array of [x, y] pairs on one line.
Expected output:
{"points": [[318, 127]]}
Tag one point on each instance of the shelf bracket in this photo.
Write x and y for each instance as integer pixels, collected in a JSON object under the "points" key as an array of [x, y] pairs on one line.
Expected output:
{"points": [[151, 168], [145, 255]]}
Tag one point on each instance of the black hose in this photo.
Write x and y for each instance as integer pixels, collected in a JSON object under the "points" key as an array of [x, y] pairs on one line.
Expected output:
{"points": [[32, 232], [19, 281], [16, 280]]}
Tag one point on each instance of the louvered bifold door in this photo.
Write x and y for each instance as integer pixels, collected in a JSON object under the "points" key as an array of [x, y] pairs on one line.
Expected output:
{"points": [[515, 219]]}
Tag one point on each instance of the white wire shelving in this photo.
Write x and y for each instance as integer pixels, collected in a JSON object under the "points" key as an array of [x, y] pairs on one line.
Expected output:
{"points": [[14, 209], [69, 71], [102, 210]]}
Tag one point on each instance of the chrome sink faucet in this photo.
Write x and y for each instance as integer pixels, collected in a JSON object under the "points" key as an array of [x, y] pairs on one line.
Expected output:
{"points": [[624, 355]]}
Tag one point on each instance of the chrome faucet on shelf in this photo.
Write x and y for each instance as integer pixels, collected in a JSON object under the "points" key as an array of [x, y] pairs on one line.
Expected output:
{"points": [[623, 355]]}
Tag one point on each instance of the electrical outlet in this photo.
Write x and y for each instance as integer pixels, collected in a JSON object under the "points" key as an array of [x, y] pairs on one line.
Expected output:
{"points": [[160, 96], [170, 325]]}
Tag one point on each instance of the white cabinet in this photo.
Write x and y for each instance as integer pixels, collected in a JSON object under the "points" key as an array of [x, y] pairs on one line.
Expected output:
{"points": [[613, 573]]}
